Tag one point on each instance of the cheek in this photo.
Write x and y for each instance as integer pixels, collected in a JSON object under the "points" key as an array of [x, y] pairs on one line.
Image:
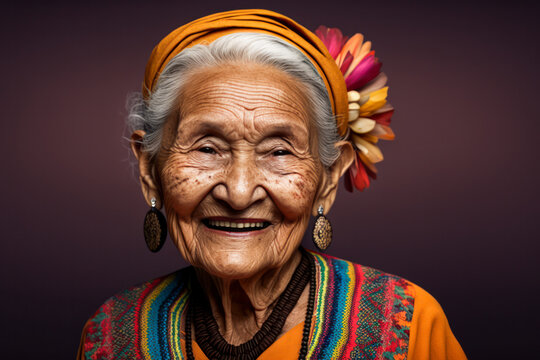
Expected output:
{"points": [[293, 191], [185, 185]]}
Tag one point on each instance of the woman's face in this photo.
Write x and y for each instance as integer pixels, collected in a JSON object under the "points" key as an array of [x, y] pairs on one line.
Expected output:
{"points": [[239, 170]]}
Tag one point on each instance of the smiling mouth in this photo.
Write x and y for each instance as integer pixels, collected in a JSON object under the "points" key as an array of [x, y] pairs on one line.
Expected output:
{"points": [[240, 225]]}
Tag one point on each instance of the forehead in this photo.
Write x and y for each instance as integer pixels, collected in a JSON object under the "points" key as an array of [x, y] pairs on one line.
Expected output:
{"points": [[239, 88]]}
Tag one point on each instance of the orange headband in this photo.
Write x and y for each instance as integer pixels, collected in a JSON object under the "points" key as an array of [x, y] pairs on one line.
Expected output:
{"points": [[209, 28]]}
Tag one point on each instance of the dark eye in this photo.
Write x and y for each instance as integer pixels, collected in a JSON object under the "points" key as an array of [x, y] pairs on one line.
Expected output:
{"points": [[207, 150], [281, 153]]}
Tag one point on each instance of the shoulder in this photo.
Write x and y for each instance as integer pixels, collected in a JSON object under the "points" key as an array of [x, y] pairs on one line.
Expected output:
{"points": [[131, 299], [431, 336], [425, 303], [367, 280], [368, 311], [116, 323], [375, 314], [388, 316]]}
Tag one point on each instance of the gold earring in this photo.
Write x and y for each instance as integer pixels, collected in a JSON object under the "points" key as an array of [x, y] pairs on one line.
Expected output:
{"points": [[155, 228], [322, 231]]}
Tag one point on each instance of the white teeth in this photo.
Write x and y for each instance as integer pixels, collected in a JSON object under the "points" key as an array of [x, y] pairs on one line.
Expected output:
{"points": [[235, 225]]}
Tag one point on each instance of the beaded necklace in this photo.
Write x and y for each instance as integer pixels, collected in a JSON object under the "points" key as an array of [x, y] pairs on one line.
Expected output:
{"points": [[215, 346]]}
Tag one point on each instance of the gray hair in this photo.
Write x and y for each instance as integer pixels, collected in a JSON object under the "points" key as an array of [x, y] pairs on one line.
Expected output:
{"points": [[151, 114]]}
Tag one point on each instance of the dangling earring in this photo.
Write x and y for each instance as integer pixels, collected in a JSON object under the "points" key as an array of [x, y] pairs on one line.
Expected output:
{"points": [[155, 228], [322, 231]]}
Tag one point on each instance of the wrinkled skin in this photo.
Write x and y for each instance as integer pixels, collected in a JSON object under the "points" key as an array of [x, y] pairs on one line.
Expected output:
{"points": [[241, 148]]}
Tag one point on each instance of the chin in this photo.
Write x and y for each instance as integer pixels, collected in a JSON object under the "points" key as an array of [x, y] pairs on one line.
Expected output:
{"points": [[237, 265]]}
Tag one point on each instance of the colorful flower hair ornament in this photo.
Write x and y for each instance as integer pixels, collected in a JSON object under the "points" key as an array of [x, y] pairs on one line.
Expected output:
{"points": [[369, 112]]}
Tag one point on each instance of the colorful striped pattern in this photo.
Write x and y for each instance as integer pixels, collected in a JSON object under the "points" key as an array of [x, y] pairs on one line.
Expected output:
{"points": [[360, 313]]}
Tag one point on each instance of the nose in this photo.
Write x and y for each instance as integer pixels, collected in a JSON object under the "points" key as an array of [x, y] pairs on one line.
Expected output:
{"points": [[242, 184]]}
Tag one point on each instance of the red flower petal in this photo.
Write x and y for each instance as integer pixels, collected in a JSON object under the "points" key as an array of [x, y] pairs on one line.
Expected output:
{"points": [[346, 62], [359, 176], [383, 118], [361, 180]]}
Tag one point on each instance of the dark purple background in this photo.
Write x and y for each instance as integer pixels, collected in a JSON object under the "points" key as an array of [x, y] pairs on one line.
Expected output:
{"points": [[455, 209]]}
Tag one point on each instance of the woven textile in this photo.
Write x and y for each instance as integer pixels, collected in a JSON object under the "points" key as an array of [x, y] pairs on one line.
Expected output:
{"points": [[360, 313]]}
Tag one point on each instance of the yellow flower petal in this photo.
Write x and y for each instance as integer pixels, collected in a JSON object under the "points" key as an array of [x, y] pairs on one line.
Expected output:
{"points": [[376, 100], [367, 163], [371, 151], [362, 125], [372, 139]]}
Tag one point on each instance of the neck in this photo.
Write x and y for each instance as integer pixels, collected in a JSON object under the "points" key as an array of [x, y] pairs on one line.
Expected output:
{"points": [[240, 307]]}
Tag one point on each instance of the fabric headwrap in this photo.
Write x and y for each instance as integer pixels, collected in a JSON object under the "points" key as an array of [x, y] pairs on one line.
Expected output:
{"points": [[209, 28]]}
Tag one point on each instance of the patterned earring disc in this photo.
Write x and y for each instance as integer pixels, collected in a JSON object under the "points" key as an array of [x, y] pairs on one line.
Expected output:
{"points": [[322, 231], [155, 229]]}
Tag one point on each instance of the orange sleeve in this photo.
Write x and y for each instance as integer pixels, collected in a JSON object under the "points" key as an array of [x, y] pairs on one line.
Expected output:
{"points": [[431, 337]]}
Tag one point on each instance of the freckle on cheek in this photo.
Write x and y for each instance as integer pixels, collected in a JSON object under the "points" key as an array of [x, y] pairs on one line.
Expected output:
{"points": [[180, 181]]}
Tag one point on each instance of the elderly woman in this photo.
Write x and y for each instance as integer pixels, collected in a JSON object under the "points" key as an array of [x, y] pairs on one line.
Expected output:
{"points": [[244, 127]]}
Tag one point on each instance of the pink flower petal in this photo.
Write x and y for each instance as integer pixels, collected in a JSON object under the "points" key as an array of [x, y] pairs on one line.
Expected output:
{"points": [[366, 71], [332, 38]]}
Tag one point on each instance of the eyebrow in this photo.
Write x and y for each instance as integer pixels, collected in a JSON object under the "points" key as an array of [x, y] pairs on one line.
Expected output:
{"points": [[204, 126], [209, 126], [285, 131]]}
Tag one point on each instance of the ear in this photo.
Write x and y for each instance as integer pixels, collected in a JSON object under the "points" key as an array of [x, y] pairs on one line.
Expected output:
{"points": [[146, 170], [329, 184]]}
